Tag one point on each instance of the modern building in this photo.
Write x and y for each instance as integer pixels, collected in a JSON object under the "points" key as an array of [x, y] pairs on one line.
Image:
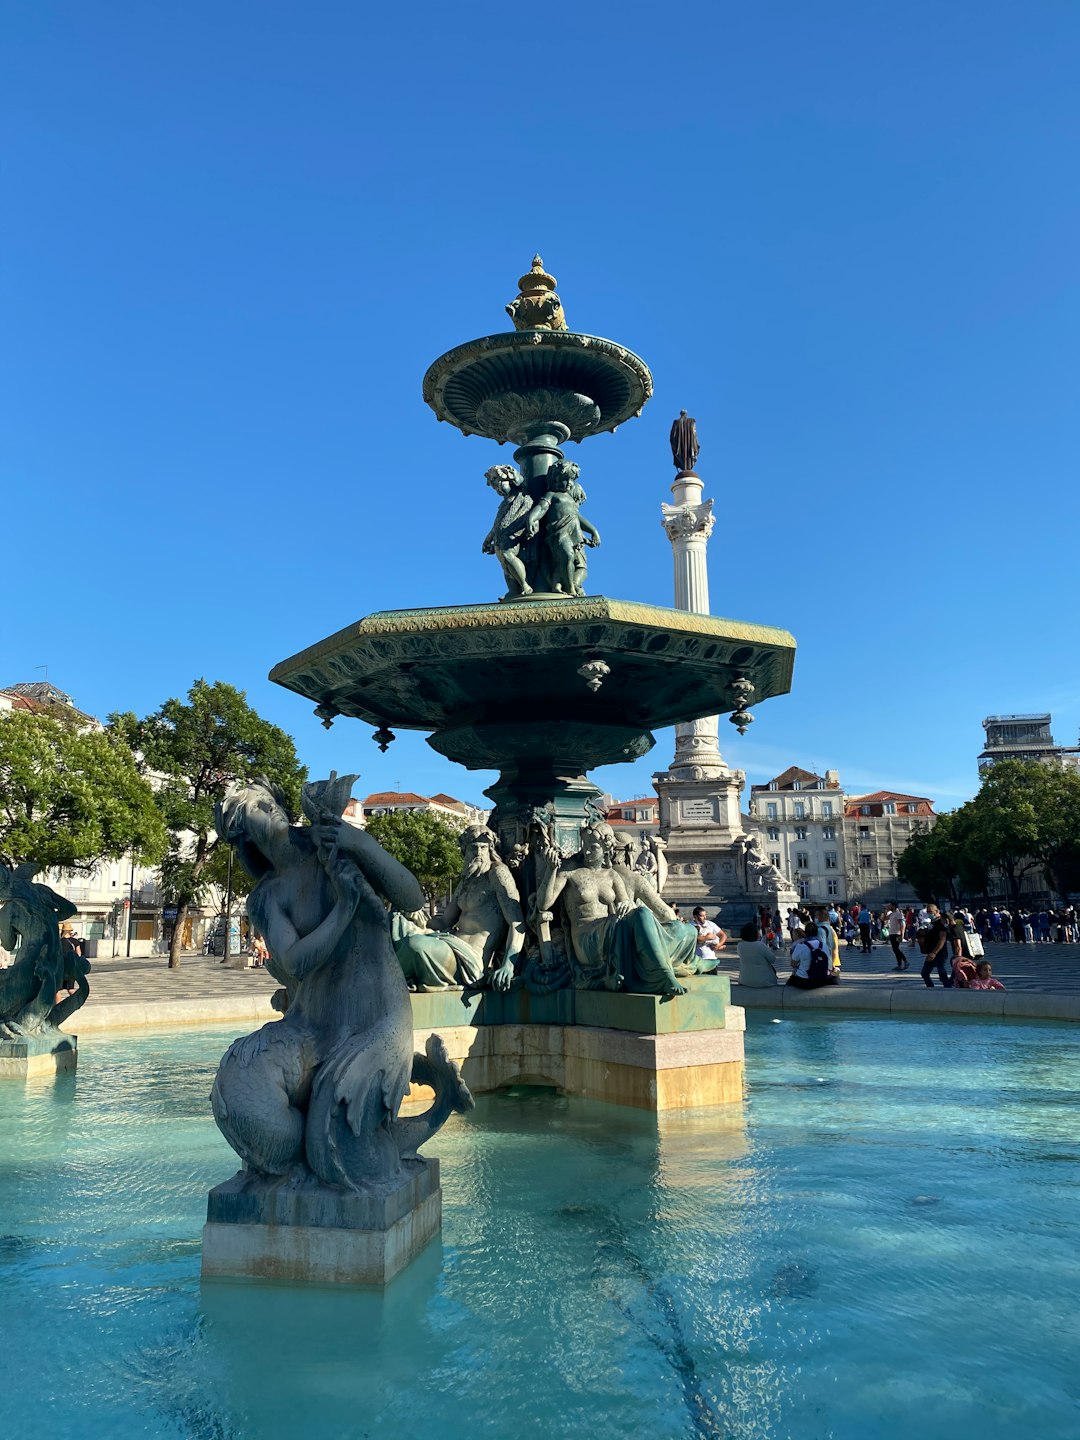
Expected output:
{"points": [[1024, 737]]}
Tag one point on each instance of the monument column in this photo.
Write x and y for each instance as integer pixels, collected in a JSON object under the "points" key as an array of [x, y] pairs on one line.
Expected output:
{"points": [[689, 523]]}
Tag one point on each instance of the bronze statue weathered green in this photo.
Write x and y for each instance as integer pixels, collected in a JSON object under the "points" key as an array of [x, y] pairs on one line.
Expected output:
{"points": [[314, 1097], [47, 983], [478, 937], [547, 683]]}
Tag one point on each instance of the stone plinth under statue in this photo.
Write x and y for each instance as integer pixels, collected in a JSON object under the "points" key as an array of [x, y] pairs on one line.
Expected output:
{"points": [[33, 1055], [309, 1233]]}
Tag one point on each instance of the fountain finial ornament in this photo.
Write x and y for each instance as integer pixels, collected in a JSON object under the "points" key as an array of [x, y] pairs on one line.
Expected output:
{"points": [[684, 444], [538, 307]]}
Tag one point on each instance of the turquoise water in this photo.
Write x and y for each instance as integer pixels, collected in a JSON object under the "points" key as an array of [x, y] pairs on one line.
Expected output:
{"points": [[885, 1242]]}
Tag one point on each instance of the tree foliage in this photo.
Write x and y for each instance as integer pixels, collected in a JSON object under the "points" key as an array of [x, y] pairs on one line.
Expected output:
{"points": [[196, 749], [71, 797], [422, 841], [1026, 815]]}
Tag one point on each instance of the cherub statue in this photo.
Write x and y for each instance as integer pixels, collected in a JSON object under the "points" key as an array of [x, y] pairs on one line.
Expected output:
{"points": [[477, 938], [45, 965], [315, 1096], [623, 935], [513, 526], [566, 531]]}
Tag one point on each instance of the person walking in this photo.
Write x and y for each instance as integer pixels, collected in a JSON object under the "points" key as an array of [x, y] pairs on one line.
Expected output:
{"points": [[894, 925], [934, 943], [865, 920]]}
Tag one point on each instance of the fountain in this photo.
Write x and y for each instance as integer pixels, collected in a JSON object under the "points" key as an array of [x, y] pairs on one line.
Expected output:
{"points": [[544, 685]]}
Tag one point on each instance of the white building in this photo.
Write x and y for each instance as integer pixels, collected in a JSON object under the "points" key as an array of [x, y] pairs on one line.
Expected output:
{"points": [[799, 821]]}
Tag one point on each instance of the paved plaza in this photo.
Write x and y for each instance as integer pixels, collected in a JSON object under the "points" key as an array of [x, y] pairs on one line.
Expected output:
{"points": [[1036, 969], [136, 993]]}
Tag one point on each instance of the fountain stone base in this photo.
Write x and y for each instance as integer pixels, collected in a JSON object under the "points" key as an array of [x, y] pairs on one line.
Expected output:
{"points": [[625, 1049], [309, 1233], [32, 1055]]}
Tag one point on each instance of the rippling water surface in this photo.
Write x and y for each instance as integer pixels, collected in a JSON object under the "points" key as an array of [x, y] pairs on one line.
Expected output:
{"points": [[884, 1242]]}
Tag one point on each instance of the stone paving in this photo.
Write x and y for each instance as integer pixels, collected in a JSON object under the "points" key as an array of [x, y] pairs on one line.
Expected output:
{"points": [[1034, 969], [150, 981], [1040, 979]]}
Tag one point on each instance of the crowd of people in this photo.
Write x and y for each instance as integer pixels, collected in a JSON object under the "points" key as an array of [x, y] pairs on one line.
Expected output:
{"points": [[949, 941]]}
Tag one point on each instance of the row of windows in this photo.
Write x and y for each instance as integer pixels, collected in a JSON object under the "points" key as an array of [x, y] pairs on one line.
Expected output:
{"points": [[801, 810], [802, 860], [833, 888], [828, 832]]}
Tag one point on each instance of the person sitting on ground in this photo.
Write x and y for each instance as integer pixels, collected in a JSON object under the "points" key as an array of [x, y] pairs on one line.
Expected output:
{"points": [[756, 968], [984, 978], [710, 941], [963, 972], [809, 961]]}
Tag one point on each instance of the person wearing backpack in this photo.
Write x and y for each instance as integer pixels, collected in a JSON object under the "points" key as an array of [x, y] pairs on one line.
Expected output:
{"points": [[936, 946], [810, 964]]}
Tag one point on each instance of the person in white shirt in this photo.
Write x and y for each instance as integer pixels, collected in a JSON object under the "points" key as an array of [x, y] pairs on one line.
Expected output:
{"points": [[894, 924], [811, 964], [710, 940]]}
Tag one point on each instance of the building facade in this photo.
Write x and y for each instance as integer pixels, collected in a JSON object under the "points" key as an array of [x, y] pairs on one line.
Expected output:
{"points": [[387, 802], [834, 846], [798, 816], [877, 830]]}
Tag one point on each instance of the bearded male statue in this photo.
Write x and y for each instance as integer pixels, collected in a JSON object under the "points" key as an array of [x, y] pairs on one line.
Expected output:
{"points": [[478, 936]]}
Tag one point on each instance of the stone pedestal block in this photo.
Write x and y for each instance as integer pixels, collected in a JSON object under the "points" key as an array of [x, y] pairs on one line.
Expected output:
{"points": [[621, 1048], [280, 1231], [37, 1055]]}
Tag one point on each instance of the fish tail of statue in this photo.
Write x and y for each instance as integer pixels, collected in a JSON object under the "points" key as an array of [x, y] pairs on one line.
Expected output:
{"points": [[452, 1095], [347, 1138]]}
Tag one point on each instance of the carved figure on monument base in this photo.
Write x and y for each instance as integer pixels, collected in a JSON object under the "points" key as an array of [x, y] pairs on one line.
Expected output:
{"points": [[758, 873], [477, 938], [622, 934], [47, 983], [315, 1096]]}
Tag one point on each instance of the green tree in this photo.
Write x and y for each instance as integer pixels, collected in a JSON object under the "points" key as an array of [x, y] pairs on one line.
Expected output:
{"points": [[1009, 819], [71, 796], [929, 862], [195, 749], [425, 843]]}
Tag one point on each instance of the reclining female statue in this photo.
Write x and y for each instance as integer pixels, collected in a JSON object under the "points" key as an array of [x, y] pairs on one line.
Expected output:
{"points": [[623, 935], [319, 1090]]}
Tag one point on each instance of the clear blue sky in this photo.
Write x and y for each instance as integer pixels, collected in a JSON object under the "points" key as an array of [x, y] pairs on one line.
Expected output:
{"points": [[844, 236]]}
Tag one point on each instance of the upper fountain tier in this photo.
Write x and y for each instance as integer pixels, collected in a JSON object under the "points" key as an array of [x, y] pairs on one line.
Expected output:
{"points": [[539, 378]]}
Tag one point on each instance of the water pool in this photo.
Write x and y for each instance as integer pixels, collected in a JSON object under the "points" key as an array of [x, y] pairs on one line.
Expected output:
{"points": [[884, 1242]]}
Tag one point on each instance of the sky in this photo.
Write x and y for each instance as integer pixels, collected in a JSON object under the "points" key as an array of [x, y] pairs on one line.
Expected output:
{"points": [[844, 236]]}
